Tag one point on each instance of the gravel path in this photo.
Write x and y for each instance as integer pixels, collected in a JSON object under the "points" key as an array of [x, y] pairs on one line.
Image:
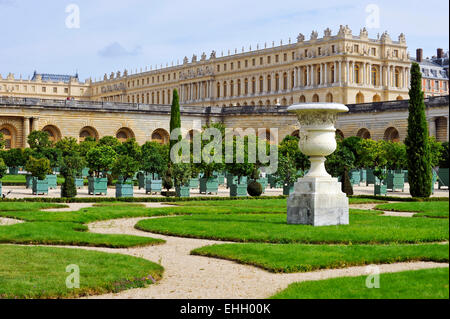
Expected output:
{"points": [[385, 213], [197, 277], [9, 221]]}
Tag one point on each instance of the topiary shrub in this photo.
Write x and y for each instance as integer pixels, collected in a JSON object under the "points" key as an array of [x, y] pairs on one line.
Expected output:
{"points": [[346, 185], [254, 189], [38, 167], [68, 188]]}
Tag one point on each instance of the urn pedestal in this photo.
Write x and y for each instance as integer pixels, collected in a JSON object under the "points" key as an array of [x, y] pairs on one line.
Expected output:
{"points": [[317, 198]]}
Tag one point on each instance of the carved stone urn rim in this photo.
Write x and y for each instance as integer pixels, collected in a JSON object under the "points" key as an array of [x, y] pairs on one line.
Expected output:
{"points": [[315, 107]]}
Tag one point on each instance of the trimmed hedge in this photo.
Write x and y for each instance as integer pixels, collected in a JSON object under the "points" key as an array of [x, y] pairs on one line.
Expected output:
{"points": [[403, 199], [132, 199]]}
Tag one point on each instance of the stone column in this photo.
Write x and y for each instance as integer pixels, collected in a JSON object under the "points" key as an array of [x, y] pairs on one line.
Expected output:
{"points": [[340, 72], [388, 77], [325, 79], [295, 78], [347, 71], [26, 130]]}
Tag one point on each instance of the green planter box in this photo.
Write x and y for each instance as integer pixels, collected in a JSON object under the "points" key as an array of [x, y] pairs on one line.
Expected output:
{"points": [[221, 179], [124, 190], [363, 175], [263, 182], [434, 180], [405, 171], [273, 183], [288, 189], [153, 186], [79, 182], [52, 183], [231, 180], [238, 190], [28, 181], [85, 172], [395, 180], [183, 191], [370, 178], [380, 190], [355, 177], [13, 170], [97, 186], [443, 177], [209, 185], [40, 187], [194, 183]]}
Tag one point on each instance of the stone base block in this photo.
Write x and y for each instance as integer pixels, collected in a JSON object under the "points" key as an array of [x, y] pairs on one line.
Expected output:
{"points": [[317, 201]]}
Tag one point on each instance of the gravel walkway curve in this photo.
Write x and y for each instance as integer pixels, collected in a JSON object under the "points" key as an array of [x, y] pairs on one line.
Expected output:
{"points": [[197, 277]]}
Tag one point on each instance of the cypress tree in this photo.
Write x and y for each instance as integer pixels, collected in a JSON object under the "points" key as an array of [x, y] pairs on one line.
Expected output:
{"points": [[68, 188], [175, 118], [417, 145]]}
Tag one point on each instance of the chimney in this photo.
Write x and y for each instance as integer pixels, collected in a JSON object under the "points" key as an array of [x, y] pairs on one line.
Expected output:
{"points": [[440, 53], [419, 55]]}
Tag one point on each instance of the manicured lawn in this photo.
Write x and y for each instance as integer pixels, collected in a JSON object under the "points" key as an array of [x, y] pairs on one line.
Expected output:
{"points": [[357, 200], [417, 284], [424, 209], [67, 228], [40, 272], [304, 258], [63, 233], [367, 228]]}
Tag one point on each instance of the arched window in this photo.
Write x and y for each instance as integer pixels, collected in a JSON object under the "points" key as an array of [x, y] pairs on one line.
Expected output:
{"points": [[161, 136], [292, 79], [8, 138], [356, 73], [359, 98], [225, 89], [232, 88], [329, 97], [319, 79], [269, 83], [391, 134], [253, 85], [332, 73], [376, 98], [88, 131], [374, 76], [124, 134], [261, 84], [296, 133], [315, 98], [285, 81], [397, 78], [246, 86], [305, 76], [399, 98], [363, 133], [53, 132], [218, 89], [277, 82], [302, 99]]}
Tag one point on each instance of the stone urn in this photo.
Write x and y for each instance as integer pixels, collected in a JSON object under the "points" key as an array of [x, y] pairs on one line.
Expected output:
{"points": [[317, 198]]}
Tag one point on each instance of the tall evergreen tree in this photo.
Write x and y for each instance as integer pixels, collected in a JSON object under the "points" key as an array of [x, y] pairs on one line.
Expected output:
{"points": [[175, 118], [417, 145]]}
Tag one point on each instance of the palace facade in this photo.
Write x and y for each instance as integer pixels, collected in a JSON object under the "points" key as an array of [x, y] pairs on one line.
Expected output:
{"points": [[342, 68]]}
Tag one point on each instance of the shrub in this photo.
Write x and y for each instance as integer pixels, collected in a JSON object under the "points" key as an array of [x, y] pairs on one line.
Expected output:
{"points": [[254, 189], [101, 158], [125, 166], [346, 185], [14, 157], [444, 158], [154, 158], [3, 168], [38, 167], [417, 142], [68, 188]]}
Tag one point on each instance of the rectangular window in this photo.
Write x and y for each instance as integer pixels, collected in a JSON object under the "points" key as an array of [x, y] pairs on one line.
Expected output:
{"points": [[25, 88], [396, 53], [293, 55], [239, 64], [333, 49], [276, 58], [436, 85], [66, 90], [319, 51], [246, 63], [231, 66], [268, 59], [44, 89], [224, 67], [137, 82], [306, 53], [168, 77], [254, 62], [261, 61], [285, 57], [148, 80], [356, 48], [218, 68], [374, 51], [55, 90]]}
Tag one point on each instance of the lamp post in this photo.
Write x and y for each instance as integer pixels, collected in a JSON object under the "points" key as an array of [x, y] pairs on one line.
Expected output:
{"points": [[317, 198]]}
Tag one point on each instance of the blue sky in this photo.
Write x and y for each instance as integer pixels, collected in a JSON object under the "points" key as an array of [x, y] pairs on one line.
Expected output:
{"points": [[115, 35]]}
